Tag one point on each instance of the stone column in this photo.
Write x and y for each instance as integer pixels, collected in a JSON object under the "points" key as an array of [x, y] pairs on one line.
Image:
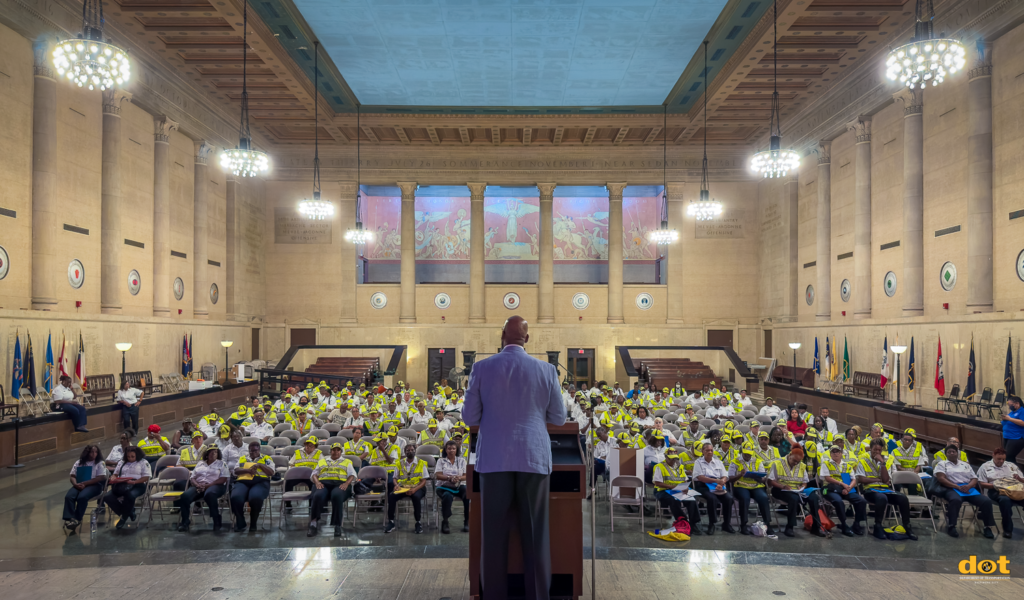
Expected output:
{"points": [[232, 186], [200, 281], [162, 217], [111, 240], [345, 220], [791, 210], [674, 271], [862, 219], [477, 308], [408, 307], [615, 251], [546, 281], [913, 202], [44, 166], [979, 183], [823, 262]]}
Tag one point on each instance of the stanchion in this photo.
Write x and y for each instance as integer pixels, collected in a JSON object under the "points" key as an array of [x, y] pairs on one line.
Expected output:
{"points": [[17, 429]]}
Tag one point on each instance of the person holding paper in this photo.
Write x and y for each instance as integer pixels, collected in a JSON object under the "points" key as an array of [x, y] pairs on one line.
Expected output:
{"points": [[874, 473], [450, 478], [788, 479], [710, 477], [840, 485], [87, 475], [747, 473], [209, 480], [670, 481], [958, 481], [991, 472], [410, 480], [252, 485]]}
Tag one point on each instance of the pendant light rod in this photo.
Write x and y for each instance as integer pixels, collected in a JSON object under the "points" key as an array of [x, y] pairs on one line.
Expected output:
{"points": [[704, 193], [664, 167], [316, 119], [776, 161], [243, 129]]}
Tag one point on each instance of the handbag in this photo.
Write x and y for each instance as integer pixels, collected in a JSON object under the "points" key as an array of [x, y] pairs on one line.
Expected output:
{"points": [[1010, 487], [826, 523]]}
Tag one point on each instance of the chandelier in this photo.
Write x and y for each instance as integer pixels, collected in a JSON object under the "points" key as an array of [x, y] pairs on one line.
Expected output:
{"points": [[358, 235], [706, 208], [316, 209], [664, 235], [775, 161], [244, 161], [925, 59], [88, 60]]}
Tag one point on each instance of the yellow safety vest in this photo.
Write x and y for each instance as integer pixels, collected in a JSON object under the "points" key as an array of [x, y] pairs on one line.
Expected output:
{"points": [[871, 470], [689, 437], [686, 460], [672, 477], [791, 476], [768, 456], [211, 422], [836, 471], [373, 428], [754, 465], [357, 448], [636, 442], [908, 458], [333, 470], [190, 457], [408, 476], [610, 421], [379, 459], [302, 428], [262, 460], [390, 419], [307, 460], [241, 416], [726, 457], [152, 447], [433, 439]]}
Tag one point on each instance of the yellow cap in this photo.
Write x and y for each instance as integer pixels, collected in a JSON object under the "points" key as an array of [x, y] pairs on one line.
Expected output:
{"points": [[694, 419], [671, 454], [729, 425], [664, 390], [309, 385], [377, 439], [623, 436], [432, 422], [698, 444], [241, 408], [348, 383], [910, 431], [311, 440], [658, 435], [636, 428], [812, 432], [337, 445], [737, 434], [393, 431], [747, 448], [763, 434], [755, 423]]}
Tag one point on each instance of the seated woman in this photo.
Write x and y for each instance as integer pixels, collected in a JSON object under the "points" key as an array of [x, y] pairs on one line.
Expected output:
{"points": [[874, 474], [957, 483], [332, 480], [669, 476], [154, 445], [841, 486], [654, 453], [746, 486], [63, 399], [209, 482], [254, 471], [117, 452], [450, 478], [777, 438], [710, 478], [127, 483], [993, 471], [795, 425], [189, 457], [659, 426], [643, 418], [788, 478], [411, 478], [87, 476]]}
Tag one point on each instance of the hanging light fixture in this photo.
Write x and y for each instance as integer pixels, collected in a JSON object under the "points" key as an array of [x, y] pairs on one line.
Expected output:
{"points": [[664, 235], [243, 160], [358, 235], [775, 162], [88, 60], [924, 59], [706, 208], [316, 209]]}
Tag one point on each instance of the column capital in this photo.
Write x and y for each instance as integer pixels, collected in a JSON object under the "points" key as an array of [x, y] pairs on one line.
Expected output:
{"points": [[163, 126], [615, 189], [982, 61], [825, 152], [202, 151], [41, 60], [112, 99], [547, 191], [913, 101], [408, 190], [476, 191], [861, 126]]}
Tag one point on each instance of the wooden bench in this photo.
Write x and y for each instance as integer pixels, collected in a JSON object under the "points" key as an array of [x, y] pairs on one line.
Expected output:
{"points": [[865, 384], [100, 386], [804, 377], [142, 380]]}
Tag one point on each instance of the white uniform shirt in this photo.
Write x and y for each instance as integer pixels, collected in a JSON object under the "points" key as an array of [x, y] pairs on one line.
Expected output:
{"points": [[713, 469], [989, 472], [260, 430], [417, 418], [204, 474], [130, 396], [445, 467], [722, 412], [959, 474], [62, 394], [354, 422], [116, 454], [98, 469], [601, 449], [135, 470], [648, 422], [830, 425], [400, 442], [653, 455], [771, 411], [232, 453]]}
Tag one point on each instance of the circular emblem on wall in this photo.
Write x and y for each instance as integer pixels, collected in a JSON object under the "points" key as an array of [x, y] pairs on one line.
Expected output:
{"points": [[5, 263], [580, 301], [76, 274], [179, 288], [134, 282], [378, 300], [1020, 265], [809, 295], [890, 284], [947, 276], [644, 301], [845, 289], [442, 301], [214, 293], [511, 300]]}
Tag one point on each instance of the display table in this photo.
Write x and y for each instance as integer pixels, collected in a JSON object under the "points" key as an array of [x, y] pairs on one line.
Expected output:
{"points": [[565, 525]]}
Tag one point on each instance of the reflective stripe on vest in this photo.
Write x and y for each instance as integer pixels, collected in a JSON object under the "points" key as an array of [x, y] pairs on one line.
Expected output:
{"points": [[670, 477], [407, 476], [686, 461], [908, 459], [151, 447], [304, 460], [755, 465], [791, 476], [870, 470], [836, 471], [768, 456], [434, 440], [357, 449], [190, 457], [334, 470], [380, 459]]}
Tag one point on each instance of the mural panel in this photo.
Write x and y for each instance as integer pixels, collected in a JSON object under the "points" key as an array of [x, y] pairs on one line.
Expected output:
{"points": [[581, 228], [640, 216], [383, 216], [511, 228], [442, 228]]}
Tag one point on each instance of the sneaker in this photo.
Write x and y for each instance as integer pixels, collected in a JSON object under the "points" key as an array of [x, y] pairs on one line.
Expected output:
{"points": [[444, 527], [952, 532], [419, 527], [389, 527]]}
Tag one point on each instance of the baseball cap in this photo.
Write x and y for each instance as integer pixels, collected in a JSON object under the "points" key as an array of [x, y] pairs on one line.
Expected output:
{"points": [[337, 445], [763, 434], [671, 454], [311, 440]]}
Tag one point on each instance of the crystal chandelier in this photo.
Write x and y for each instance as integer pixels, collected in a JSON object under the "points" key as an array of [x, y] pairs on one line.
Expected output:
{"points": [[316, 209], [244, 161], [925, 59], [775, 161], [664, 235], [358, 235], [706, 208], [88, 60]]}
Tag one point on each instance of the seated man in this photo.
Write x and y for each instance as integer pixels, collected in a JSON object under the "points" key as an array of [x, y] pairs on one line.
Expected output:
{"points": [[601, 451], [410, 480], [710, 477], [788, 478], [840, 485], [874, 473], [770, 409], [332, 480], [669, 476], [747, 486]]}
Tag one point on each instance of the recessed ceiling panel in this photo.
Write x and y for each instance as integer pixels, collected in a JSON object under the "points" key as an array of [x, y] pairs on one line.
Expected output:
{"points": [[511, 52]]}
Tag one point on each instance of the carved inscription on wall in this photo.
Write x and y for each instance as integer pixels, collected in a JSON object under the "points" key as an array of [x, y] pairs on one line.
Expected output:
{"points": [[727, 226], [771, 219], [292, 228]]}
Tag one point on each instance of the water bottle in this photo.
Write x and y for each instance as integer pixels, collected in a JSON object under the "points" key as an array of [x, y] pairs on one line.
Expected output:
{"points": [[92, 523]]}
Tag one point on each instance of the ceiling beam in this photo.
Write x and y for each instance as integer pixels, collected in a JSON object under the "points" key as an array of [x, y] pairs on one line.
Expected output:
{"points": [[653, 135], [464, 134], [558, 135], [590, 135], [495, 135], [432, 132], [621, 135], [527, 134], [400, 131], [370, 134]]}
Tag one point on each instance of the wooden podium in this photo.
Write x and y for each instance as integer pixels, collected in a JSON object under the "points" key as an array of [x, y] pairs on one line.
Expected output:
{"points": [[565, 524]]}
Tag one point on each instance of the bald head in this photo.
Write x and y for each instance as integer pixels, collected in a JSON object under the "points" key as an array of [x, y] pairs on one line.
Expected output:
{"points": [[515, 332]]}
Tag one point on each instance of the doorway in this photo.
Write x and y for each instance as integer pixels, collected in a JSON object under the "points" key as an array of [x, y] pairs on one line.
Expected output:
{"points": [[580, 362], [440, 362], [303, 337], [767, 343], [720, 337], [255, 344]]}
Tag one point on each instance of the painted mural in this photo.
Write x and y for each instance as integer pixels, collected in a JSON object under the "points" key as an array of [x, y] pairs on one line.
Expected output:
{"points": [[580, 228], [383, 216], [442, 228], [640, 216], [511, 228]]}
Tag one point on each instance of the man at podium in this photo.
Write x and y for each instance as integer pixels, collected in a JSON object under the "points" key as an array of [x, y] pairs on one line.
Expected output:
{"points": [[512, 397]]}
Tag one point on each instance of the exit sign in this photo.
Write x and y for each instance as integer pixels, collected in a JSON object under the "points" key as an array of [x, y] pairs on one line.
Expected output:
{"points": [[441, 351], [581, 350]]}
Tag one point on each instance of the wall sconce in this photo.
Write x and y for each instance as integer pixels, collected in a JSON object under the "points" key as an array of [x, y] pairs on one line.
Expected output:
{"points": [[123, 347]]}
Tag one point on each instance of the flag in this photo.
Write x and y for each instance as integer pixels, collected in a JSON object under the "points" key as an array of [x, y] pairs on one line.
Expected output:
{"points": [[911, 375], [190, 356], [16, 380], [972, 388], [184, 355], [827, 366], [834, 373], [80, 363], [62, 362], [846, 359], [817, 363], [885, 361], [940, 377], [1008, 383], [28, 375], [48, 369]]}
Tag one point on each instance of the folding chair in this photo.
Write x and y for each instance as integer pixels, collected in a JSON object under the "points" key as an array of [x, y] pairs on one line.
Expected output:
{"points": [[346, 433], [281, 427], [953, 400], [301, 474], [332, 428], [992, 406], [922, 502], [168, 477], [280, 443], [627, 482], [292, 435], [320, 434], [371, 472], [418, 427]]}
